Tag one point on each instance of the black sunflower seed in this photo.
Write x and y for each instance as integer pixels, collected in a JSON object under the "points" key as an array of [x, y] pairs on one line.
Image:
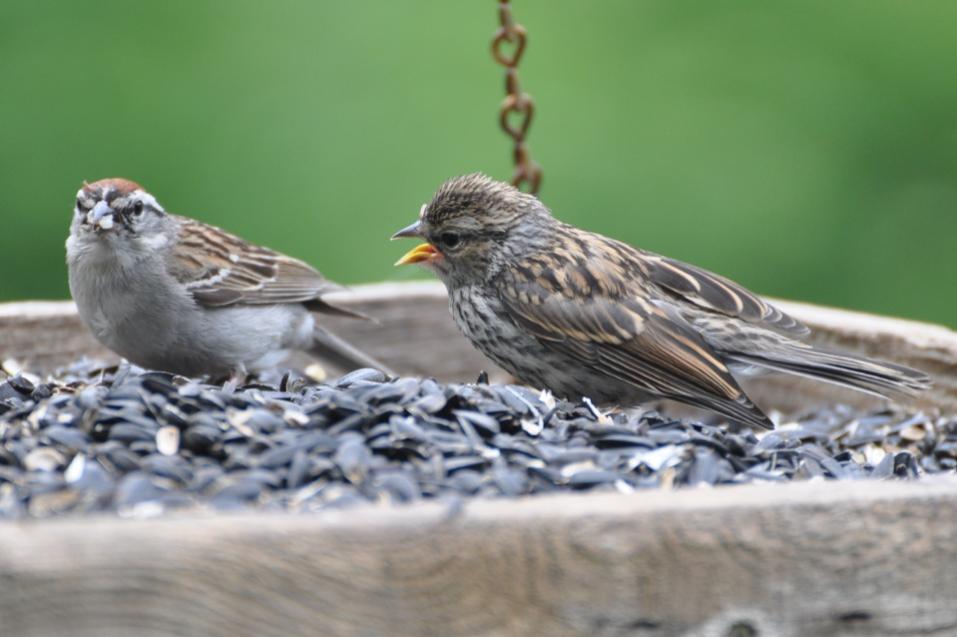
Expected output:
{"points": [[86, 441]]}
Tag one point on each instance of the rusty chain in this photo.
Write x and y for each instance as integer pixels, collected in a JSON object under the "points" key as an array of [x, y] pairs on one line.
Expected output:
{"points": [[515, 113]]}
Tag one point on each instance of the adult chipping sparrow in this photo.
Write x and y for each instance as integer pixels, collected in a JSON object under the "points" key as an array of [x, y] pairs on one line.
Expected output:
{"points": [[585, 315], [171, 293]]}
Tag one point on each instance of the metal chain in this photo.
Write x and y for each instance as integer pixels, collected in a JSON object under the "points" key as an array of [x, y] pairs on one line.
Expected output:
{"points": [[515, 114]]}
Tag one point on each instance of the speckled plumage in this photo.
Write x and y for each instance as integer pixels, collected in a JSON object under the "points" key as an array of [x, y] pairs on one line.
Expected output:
{"points": [[585, 315]]}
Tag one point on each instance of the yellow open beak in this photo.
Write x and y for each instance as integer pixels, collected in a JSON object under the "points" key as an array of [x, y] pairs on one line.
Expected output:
{"points": [[418, 254]]}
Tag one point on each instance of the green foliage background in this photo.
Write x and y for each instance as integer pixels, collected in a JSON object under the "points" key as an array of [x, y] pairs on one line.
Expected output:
{"points": [[807, 149]]}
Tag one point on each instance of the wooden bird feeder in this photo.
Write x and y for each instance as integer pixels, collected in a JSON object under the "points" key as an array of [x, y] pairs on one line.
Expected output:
{"points": [[776, 560], [813, 558]]}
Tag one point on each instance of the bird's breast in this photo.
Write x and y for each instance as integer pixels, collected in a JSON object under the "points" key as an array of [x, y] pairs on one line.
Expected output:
{"points": [[481, 317], [483, 320]]}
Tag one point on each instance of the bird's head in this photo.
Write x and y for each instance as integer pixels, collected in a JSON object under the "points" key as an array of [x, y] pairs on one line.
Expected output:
{"points": [[116, 208], [470, 224]]}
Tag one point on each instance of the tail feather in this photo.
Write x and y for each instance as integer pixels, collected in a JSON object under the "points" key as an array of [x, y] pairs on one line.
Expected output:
{"points": [[333, 349], [871, 376], [325, 307]]}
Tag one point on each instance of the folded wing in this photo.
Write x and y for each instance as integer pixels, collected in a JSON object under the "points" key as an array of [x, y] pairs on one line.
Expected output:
{"points": [[220, 269], [712, 292], [619, 334]]}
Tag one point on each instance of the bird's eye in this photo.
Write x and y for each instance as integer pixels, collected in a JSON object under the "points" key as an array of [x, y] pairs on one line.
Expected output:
{"points": [[450, 239], [82, 207], [137, 208]]}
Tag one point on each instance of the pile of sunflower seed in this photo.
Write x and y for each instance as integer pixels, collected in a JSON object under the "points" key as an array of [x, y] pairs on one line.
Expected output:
{"points": [[121, 439]]}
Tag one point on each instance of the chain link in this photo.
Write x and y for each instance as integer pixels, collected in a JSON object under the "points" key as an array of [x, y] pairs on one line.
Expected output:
{"points": [[517, 109]]}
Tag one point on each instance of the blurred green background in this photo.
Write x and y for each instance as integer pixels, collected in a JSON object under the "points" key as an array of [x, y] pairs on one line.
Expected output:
{"points": [[807, 149]]}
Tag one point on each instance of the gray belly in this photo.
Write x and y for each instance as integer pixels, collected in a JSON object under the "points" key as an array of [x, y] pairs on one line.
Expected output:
{"points": [[157, 325], [120, 312]]}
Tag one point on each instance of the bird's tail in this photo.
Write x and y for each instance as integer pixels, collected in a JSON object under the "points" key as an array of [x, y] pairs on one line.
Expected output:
{"points": [[871, 376], [337, 351]]}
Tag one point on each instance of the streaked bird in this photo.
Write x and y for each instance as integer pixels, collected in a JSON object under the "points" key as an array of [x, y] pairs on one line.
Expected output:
{"points": [[585, 315]]}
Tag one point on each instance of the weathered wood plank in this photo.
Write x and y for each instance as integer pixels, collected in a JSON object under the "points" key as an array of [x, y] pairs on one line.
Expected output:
{"points": [[824, 559], [45, 334], [415, 335]]}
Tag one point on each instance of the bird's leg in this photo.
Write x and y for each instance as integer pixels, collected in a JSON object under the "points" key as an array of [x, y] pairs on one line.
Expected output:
{"points": [[238, 377]]}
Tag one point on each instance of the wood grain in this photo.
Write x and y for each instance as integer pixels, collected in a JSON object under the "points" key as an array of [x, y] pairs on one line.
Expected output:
{"points": [[415, 335], [823, 559]]}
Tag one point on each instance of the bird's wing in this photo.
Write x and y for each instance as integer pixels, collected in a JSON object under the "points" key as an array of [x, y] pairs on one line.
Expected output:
{"points": [[586, 309], [220, 269], [714, 293]]}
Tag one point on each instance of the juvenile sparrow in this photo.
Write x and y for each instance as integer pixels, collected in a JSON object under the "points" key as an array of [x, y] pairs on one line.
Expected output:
{"points": [[585, 315], [171, 293]]}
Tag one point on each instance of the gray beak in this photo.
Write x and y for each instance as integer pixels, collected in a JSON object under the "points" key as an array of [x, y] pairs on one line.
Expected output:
{"points": [[415, 230], [101, 216]]}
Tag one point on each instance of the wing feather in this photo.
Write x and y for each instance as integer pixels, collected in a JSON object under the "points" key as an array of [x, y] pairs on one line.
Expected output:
{"points": [[220, 269], [709, 291], [618, 334]]}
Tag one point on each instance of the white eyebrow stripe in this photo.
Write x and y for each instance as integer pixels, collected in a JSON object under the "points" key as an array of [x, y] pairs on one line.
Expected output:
{"points": [[147, 199]]}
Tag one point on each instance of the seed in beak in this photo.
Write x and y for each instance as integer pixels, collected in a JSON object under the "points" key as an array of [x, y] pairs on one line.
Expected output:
{"points": [[101, 216]]}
